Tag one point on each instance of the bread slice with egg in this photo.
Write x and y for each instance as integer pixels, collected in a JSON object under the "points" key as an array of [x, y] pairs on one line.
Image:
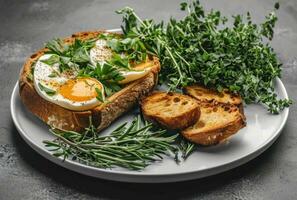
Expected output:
{"points": [[170, 110], [103, 115]]}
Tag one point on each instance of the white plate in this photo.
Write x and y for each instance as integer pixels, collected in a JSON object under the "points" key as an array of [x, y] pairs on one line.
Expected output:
{"points": [[261, 131]]}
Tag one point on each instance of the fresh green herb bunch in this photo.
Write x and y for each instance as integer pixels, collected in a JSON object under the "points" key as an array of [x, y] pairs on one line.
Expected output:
{"points": [[201, 48], [131, 146]]}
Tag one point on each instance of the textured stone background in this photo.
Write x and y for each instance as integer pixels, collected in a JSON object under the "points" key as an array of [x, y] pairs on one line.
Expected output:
{"points": [[26, 25]]}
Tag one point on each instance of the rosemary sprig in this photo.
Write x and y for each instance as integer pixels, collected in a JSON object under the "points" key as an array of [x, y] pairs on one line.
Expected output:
{"points": [[131, 146], [186, 147]]}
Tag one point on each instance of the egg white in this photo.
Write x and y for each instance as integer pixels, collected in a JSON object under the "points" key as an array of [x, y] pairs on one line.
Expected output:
{"points": [[41, 76], [100, 52], [130, 76]]}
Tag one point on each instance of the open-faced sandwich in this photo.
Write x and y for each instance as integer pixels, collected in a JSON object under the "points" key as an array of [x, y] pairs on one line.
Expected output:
{"points": [[90, 74]]}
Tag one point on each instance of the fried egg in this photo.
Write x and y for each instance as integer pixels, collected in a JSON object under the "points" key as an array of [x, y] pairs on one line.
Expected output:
{"points": [[101, 53], [65, 89]]}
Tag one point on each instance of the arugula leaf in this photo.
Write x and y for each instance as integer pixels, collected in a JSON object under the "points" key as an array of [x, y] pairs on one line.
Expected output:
{"points": [[80, 51], [30, 77], [106, 73], [119, 61], [47, 90], [133, 48], [52, 75], [53, 59], [111, 87], [99, 96], [56, 46]]}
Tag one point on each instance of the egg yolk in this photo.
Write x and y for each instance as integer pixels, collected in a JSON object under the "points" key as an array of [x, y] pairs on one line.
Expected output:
{"points": [[82, 89]]}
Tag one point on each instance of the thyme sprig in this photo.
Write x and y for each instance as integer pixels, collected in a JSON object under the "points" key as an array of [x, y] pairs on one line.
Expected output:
{"points": [[132, 146], [201, 48]]}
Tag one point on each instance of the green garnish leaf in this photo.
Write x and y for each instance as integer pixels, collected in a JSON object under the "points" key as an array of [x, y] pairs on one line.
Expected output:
{"points": [[56, 46], [183, 5], [119, 61], [276, 5], [47, 90], [52, 75], [107, 74], [100, 96], [133, 48], [30, 77], [53, 59], [80, 51], [186, 147]]}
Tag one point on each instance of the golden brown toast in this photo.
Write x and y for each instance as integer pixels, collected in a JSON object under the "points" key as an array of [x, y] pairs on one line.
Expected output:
{"points": [[102, 115], [170, 110], [206, 95], [217, 122]]}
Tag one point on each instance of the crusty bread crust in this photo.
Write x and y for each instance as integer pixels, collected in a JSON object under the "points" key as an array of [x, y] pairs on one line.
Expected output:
{"points": [[216, 136], [170, 110], [102, 115], [222, 115], [229, 121], [205, 95]]}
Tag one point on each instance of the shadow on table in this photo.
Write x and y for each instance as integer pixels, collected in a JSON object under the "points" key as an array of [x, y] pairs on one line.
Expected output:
{"points": [[110, 189]]}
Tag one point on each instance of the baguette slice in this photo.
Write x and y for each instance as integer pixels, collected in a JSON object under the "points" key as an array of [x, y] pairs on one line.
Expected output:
{"points": [[217, 123], [102, 115], [206, 95], [170, 110]]}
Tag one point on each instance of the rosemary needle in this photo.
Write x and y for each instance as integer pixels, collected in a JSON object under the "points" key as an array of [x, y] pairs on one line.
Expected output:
{"points": [[131, 146]]}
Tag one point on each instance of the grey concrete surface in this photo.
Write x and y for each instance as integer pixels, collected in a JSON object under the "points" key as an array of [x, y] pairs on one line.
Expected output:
{"points": [[26, 25]]}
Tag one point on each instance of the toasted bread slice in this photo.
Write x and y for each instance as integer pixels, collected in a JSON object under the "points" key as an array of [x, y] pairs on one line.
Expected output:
{"points": [[206, 95], [170, 110], [102, 115], [217, 122]]}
